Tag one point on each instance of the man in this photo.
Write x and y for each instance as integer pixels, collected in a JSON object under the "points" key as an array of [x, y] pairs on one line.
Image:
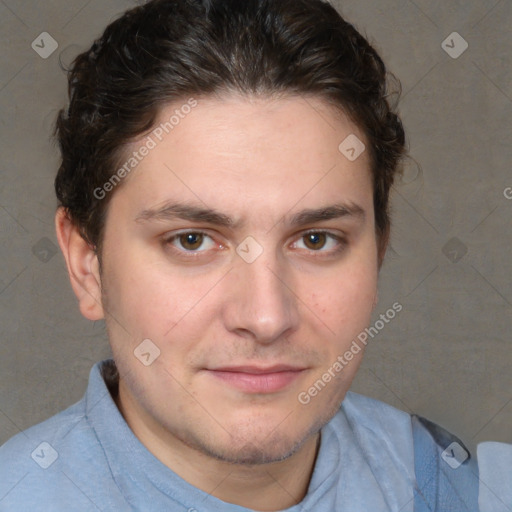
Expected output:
{"points": [[223, 193]]}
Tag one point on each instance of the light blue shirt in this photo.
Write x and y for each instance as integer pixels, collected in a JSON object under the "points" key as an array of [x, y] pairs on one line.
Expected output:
{"points": [[495, 484], [86, 458]]}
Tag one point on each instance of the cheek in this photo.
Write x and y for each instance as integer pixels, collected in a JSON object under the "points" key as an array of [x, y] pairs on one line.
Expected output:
{"points": [[149, 301], [133, 275], [346, 299], [138, 300]]}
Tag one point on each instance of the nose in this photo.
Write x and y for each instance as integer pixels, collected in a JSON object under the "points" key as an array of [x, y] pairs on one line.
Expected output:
{"points": [[261, 303]]}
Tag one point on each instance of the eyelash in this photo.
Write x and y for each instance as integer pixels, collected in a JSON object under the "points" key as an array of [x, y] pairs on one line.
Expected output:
{"points": [[190, 254], [340, 241]]}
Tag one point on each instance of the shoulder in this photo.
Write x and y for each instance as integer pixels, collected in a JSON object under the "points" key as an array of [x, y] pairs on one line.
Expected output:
{"points": [[377, 439], [22, 449], [52, 462], [436, 463], [31, 463], [367, 413], [378, 427], [495, 464]]}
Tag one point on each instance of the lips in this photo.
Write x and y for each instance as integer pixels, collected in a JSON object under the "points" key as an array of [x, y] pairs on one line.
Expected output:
{"points": [[257, 379], [258, 370]]}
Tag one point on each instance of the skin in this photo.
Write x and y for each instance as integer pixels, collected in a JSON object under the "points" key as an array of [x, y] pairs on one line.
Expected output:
{"points": [[259, 161]]}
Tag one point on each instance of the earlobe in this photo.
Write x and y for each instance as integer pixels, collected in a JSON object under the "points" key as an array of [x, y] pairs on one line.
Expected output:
{"points": [[82, 264]]}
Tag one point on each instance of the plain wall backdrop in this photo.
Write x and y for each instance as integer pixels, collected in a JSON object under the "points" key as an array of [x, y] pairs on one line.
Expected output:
{"points": [[446, 356]]}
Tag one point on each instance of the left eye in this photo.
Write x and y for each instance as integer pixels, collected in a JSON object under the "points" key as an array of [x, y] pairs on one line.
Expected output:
{"points": [[318, 240], [191, 241]]}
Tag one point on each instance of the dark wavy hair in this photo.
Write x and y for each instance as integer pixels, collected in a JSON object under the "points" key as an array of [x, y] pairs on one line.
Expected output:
{"points": [[169, 50]]}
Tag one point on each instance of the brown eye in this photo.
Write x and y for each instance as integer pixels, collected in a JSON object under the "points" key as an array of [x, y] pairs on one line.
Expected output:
{"points": [[315, 241], [191, 241], [191, 244]]}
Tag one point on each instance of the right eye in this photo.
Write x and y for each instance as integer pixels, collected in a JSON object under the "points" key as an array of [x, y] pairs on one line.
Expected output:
{"points": [[190, 241]]}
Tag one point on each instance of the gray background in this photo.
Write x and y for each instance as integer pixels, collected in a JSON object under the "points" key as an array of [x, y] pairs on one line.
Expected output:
{"points": [[446, 356]]}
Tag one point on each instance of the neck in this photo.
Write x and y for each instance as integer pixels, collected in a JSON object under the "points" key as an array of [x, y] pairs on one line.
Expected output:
{"points": [[264, 487]]}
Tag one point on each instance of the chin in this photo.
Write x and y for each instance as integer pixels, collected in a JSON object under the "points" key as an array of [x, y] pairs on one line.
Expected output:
{"points": [[252, 443], [271, 449]]}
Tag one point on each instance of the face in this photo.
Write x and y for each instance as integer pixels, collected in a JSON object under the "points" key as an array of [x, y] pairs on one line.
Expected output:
{"points": [[243, 246]]}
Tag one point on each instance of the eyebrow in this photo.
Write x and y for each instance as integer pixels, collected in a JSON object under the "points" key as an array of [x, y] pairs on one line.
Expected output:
{"points": [[335, 211], [188, 212], [193, 213]]}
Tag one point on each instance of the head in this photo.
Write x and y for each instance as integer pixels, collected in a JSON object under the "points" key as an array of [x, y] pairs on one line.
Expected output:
{"points": [[207, 204]]}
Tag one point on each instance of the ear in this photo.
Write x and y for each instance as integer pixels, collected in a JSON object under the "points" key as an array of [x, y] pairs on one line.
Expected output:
{"points": [[83, 266]]}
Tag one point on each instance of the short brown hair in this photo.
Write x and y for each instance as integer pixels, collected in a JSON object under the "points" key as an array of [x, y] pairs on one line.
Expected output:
{"points": [[169, 50]]}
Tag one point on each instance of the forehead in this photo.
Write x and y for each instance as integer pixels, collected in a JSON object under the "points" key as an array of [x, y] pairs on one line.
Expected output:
{"points": [[238, 152]]}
